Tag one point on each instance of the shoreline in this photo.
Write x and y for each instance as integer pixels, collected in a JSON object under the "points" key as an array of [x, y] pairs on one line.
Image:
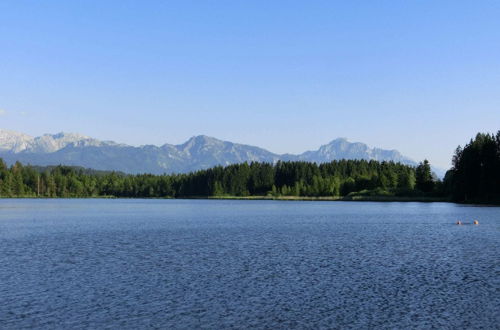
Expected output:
{"points": [[275, 198], [337, 199], [387, 199]]}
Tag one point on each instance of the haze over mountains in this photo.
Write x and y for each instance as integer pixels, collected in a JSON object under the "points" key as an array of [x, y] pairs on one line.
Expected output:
{"points": [[198, 152]]}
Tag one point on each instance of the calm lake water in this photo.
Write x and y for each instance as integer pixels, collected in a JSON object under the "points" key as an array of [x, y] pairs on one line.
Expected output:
{"points": [[247, 264]]}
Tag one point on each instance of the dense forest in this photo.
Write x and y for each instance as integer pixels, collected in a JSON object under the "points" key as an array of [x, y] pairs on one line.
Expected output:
{"points": [[475, 176], [338, 178]]}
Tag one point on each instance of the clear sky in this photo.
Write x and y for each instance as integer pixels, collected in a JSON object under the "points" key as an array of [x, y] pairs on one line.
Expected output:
{"points": [[417, 76]]}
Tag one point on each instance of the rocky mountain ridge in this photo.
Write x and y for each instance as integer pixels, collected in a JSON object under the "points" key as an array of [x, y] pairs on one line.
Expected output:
{"points": [[199, 152]]}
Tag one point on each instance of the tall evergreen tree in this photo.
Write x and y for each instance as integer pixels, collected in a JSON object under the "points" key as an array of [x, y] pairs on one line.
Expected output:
{"points": [[475, 175], [423, 174]]}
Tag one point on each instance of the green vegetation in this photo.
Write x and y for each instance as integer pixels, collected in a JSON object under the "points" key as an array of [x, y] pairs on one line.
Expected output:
{"points": [[300, 179], [475, 177]]}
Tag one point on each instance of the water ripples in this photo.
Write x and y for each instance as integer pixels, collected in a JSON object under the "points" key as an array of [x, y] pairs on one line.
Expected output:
{"points": [[247, 264]]}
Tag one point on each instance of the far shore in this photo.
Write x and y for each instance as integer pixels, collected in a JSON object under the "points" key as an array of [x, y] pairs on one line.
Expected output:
{"points": [[337, 199], [375, 198], [278, 198]]}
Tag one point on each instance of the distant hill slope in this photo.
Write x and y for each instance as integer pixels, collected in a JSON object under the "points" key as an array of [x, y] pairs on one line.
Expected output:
{"points": [[199, 152]]}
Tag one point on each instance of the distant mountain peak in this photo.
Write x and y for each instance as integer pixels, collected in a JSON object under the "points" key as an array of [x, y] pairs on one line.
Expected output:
{"points": [[338, 140], [341, 148], [13, 141], [198, 152], [202, 139], [16, 142], [64, 135], [199, 142]]}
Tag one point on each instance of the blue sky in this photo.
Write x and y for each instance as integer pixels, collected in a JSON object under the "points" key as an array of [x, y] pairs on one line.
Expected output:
{"points": [[417, 76]]}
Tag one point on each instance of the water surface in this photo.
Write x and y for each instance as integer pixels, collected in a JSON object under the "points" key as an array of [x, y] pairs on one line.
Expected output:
{"points": [[133, 264]]}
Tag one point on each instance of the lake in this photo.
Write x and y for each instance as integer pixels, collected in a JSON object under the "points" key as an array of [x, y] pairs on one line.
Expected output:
{"points": [[135, 264]]}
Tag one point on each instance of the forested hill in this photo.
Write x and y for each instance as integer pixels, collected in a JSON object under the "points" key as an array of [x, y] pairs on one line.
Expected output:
{"points": [[80, 169], [337, 178]]}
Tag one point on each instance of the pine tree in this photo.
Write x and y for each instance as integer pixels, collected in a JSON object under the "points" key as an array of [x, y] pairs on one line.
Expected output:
{"points": [[424, 181]]}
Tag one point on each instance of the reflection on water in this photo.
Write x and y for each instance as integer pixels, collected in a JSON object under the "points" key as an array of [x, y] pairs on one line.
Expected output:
{"points": [[241, 264]]}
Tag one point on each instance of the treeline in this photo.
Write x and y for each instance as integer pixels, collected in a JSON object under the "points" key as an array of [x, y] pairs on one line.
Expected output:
{"points": [[335, 179], [475, 175]]}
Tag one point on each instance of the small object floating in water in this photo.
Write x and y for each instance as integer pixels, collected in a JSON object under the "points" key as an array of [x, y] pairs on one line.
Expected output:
{"points": [[476, 222], [459, 222]]}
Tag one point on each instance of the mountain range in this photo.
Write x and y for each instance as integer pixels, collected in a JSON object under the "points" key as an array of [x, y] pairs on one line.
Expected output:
{"points": [[199, 152]]}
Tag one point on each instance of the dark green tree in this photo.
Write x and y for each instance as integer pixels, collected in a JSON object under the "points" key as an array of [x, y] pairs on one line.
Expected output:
{"points": [[423, 175]]}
